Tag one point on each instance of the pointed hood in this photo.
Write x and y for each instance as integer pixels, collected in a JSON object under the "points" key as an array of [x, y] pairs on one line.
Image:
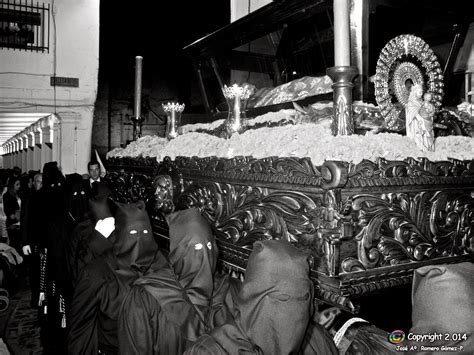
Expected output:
{"points": [[99, 208], [52, 176], [193, 254], [274, 304], [135, 247], [53, 191]]}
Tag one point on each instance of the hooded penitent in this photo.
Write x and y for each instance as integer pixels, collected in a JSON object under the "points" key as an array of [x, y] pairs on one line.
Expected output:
{"points": [[52, 176], [79, 196], [86, 242], [56, 286], [100, 208], [276, 297], [134, 247], [53, 190], [105, 282], [53, 215], [273, 305], [174, 299], [193, 256]]}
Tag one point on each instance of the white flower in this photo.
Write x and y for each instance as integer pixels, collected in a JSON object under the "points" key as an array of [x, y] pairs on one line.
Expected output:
{"points": [[313, 140]]}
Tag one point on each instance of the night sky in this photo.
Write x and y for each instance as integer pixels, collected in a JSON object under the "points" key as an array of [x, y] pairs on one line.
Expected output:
{"points": [[156, 30]]}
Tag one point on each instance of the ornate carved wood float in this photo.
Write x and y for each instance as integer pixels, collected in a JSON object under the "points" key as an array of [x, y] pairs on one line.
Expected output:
{"points": [[369, 225]]}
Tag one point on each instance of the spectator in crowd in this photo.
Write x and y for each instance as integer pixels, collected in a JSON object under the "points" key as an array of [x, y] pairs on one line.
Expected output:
{"points": [[11, 206], [9, 259], [28, 193], [3, 218], [16, 171], [26, 186]]}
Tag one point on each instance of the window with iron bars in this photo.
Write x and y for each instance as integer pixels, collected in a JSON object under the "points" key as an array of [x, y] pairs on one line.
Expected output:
{"points": [[24, 25]]}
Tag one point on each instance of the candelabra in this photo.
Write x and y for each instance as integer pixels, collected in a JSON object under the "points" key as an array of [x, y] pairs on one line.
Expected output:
{"points": [[342, 76], [173, 119], [236, 97]]}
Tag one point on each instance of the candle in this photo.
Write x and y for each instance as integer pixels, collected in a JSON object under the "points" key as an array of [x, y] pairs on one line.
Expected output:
{"points": [[138, 86], [342, 46]]}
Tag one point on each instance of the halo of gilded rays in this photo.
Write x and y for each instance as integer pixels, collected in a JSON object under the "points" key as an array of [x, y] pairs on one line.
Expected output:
{"points": [[405, 60]]}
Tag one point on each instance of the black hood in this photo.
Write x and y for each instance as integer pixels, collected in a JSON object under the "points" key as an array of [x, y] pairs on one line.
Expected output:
{"points": [[193, 255], [135, 247], [274, 304]]}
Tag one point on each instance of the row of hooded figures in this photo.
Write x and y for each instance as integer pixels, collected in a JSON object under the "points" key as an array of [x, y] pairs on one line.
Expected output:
{"points": [[128, 296]]}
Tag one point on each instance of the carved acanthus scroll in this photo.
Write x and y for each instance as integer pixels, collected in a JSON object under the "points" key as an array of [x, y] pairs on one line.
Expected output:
{"points": [[409, 172], [397, 228], [130, 187], [244, 214], [271, 170]]}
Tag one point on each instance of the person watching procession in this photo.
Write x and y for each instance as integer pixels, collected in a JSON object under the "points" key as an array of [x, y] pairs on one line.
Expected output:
{"points": [[85, 190]]}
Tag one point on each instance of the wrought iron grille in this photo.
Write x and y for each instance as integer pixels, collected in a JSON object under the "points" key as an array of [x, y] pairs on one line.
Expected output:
{"points": [[24, 25]]}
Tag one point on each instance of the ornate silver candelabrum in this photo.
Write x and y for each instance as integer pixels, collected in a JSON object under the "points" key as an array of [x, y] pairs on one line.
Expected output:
{"points": [[173, 112], [342, 76], [137, 127], [236, 97]]}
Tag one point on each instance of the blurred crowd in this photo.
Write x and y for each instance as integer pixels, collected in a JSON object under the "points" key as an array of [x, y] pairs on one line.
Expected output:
{"points": [[39, 211]]}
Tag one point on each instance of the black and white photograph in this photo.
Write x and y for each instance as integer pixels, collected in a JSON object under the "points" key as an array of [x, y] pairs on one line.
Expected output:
{"points": [[230, 177]]}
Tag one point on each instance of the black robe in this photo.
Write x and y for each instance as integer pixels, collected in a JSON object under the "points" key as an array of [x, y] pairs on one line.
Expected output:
{"points": [[193, 256], [86, 245], [79, 197], [175, 300], [272, 309], [104, 283], [54, 287], [32, 224], [54, 216], [78, 201]]}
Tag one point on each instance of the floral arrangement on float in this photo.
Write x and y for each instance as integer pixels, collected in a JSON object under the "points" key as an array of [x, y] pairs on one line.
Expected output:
{"points": [[302, 133]]}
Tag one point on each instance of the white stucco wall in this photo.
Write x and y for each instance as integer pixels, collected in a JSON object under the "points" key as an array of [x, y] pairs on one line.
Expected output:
{"points": [[74, 52]]}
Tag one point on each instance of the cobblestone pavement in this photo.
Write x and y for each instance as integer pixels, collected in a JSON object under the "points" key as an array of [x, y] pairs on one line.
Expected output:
{"points": [[22, 332]]}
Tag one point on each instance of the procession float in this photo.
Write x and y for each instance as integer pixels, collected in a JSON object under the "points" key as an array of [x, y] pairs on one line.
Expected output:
{"points": [[361, 162]]}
